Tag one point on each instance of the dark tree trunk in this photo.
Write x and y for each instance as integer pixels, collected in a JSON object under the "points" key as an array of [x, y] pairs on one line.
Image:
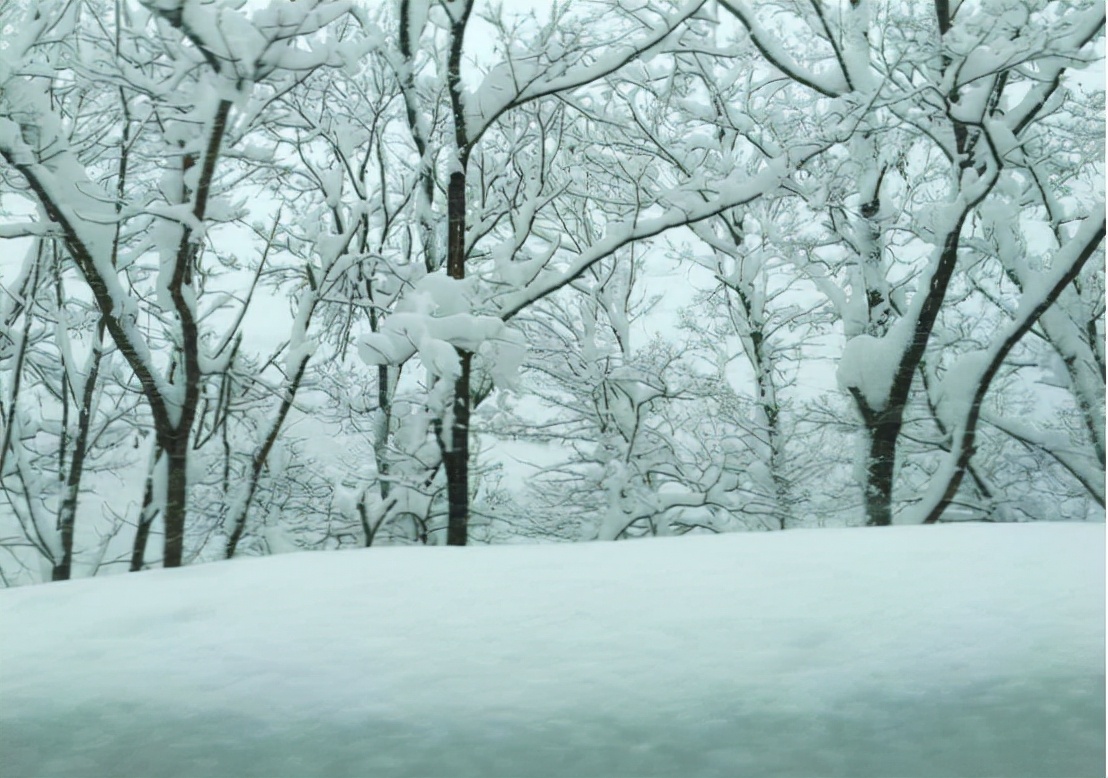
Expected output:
{"points": [[67, 514], [142, 537], [380, 444], [456, 461], [176, 492], [883, 426], [261, 455], [456, 439], [965, 449], [147, 514], [883, 430], [63, 570]]}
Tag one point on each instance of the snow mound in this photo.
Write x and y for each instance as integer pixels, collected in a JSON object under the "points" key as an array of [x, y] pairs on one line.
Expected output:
{"points": [[909, 651]]}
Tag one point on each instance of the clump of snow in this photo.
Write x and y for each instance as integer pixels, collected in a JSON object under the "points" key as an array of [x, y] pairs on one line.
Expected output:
{"points": [[938, 651], [434, 320], [868, 365]]}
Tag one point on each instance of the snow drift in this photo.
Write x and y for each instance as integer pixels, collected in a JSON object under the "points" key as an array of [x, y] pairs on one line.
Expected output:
{"points": [[913, 651]]}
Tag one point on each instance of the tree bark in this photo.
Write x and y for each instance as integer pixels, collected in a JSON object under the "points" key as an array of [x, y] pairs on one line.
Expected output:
{"points": [[67, 513], [456, 461], [147, 514], [456, 447], [176, 493], [884, 429]]}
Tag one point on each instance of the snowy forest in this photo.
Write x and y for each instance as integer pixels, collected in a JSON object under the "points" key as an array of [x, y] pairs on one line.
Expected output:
{"points": [[322, 274]]}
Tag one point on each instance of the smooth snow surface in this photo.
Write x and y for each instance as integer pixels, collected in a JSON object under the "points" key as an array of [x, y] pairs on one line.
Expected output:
{"points": [[908, 651]]}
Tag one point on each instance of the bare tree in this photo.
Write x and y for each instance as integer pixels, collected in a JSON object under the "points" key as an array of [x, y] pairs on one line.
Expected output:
{"points": [[186, 138], [901, 78]]}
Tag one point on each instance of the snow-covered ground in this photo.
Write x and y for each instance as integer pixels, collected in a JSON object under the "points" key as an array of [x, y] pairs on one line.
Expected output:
{"points": [[926, 651]]}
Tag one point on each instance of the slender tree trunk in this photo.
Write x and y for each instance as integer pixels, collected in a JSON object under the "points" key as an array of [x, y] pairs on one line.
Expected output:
{"points": [[261, 456], [177, 437], [456, 443], [381, 430], [456, 460], [770, 421], [176, 493], [883, 429], [456, 453], [67, 513], [782, 489], [238, 523], [147, 514]]}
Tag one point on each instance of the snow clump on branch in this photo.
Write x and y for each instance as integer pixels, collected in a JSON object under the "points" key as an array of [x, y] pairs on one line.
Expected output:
{"points": [[435, 320]]}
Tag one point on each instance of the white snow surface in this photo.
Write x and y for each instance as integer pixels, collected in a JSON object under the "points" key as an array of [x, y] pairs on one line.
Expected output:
{"points": [[909, 651]]}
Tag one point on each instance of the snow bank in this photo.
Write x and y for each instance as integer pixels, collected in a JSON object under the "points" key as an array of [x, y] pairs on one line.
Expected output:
{"points": [[915, 651]]}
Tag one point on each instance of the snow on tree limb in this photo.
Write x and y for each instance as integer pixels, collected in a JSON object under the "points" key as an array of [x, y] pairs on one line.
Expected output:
{"points": [[965, 389], [776, 54], [82, 212], [683, 207], [506, 86]]}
